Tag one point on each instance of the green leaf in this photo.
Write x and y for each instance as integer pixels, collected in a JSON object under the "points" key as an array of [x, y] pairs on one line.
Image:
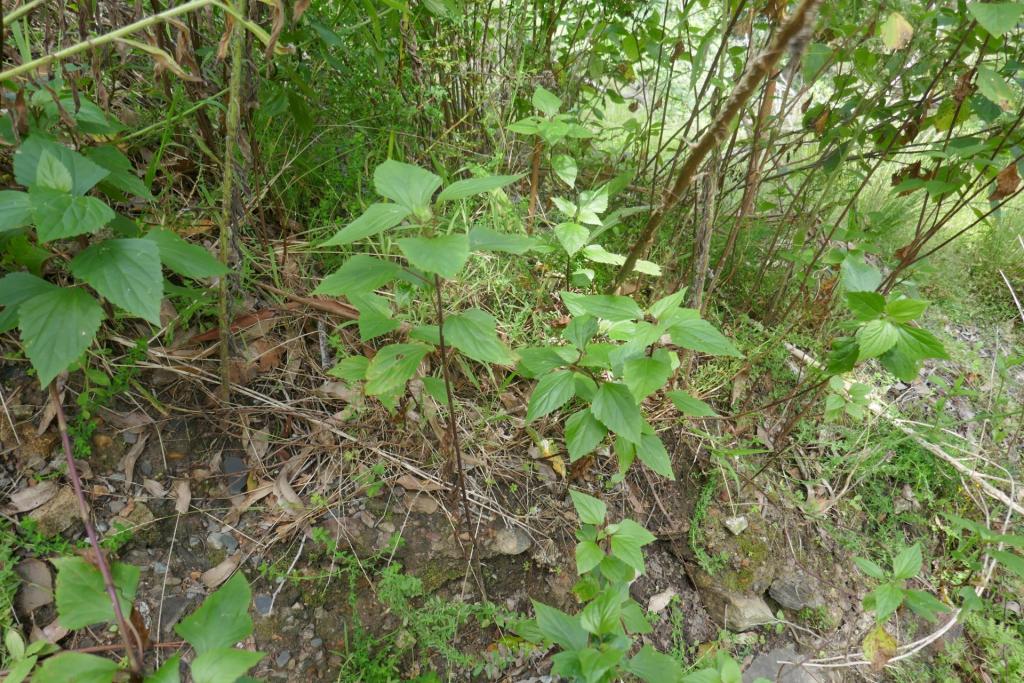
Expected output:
{"points": [[559, 627], [546, 101], [598, 254], [376, 219], [121, 172], [606, 306], [84, 173], [222, 620], [528, 126], [408, 185], [843, 356], [81, 595], [444, 255], [126, 272], [392, 367], [865, 305], [52, 174], [583, 433], [58, 215], [899, 363], [473, 333], [474, 186], [56, 329], [1015, 563], [870, 568], [896, 32], [77, 667], [601, 615], [885, 600], [589, 509], [652, 453], [15, 210], [647, 374], [351, 369], [667, 304], [628, 540], [374, 315], [564, 167], [190, 260], [995, 88], [484, 239], [925, 604], [536, 361], [652, 666], [690, 406], [580, 331], [15, 289], [169, 672], [903, 310], [572, 237], [997, 17], [551, 393], [20, 669], [634, 618], [918, 343], [224, 664], [875, 338], [690, 332], [858, 276], [907, 563], [617, 410], [361, 273], [588, 556]]}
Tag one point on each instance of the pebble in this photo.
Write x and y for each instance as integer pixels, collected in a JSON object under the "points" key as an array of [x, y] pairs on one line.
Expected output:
{"points": [[116, 506], [233, 465], [262, 603], [221, 541], [159, 568], [315, 643], [283, 657], [737, 525]]}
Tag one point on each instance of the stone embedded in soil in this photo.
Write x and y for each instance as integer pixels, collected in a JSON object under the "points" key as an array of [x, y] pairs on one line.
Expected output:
{"points": [[221, 541], [57, 514], [768, 666], [797, 591], [172, 610], [262, 604], [283, 657], [510, 541], [737, 525], [235, 467], [744, 613]]}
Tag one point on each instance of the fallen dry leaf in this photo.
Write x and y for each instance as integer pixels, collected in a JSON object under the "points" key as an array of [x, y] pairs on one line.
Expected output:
{"points": [[219, 574], [411, 483], [32, 497], [129, 460], [182, 496], [154, 488], [1007, 183], [37, 585]]}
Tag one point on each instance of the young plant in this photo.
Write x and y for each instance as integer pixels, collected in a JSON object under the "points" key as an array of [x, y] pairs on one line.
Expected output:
{"points": [[887, 597]]}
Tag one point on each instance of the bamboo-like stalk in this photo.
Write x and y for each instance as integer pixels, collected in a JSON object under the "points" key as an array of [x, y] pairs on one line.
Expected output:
{"points": [[227, 216], [22, 11]]}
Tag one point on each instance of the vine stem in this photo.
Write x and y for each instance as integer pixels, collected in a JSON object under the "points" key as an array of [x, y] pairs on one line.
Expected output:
{"points": [[453, 435], [128, 632]]}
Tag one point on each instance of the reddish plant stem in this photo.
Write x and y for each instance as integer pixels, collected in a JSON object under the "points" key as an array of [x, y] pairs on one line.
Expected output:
{"points": [[128, 633]]}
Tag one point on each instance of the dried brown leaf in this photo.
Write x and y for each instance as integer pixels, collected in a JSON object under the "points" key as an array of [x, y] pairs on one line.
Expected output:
{"points": [[1007, 183], [219, 574], [411, 483], [31, 497], [182, 496]]}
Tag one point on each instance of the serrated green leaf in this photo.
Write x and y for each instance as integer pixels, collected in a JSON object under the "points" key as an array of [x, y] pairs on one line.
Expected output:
{"points": [[81, 595], [392, 367], [652, 666], [918, 343], [84, 173], [843, 356], [126, 272], [190, 260], [601, 615], [699, 335], [925, 604], [59, 215], [583, 433], [628, 540], [870, 568], [580, 331], [57, 327], [361, 273], [15, 210], [224, 664], [858, 276], [559, 627], [473, 332], [885, 600], [222, 620], [535, 361], [376, 219], [647, 374], [907, 563], [875, 338], [997, 17], [444, 255], [588, 556], [589, 509], [121, 172], [483, 238], [572, 237], [667, 304], [15, 289], [652, 453], [551, 393], [904, 310], [52, 174], [607, 306], [408, 185], [617, 410], [351, 369], [474, 186], [76, 666], [169, 672], [564, 167], [690, 406], [546, 101], [865, 305]]}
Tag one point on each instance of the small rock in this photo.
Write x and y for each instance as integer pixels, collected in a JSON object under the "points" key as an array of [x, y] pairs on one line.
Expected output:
{"points": [[138, 518], [283, 657], [262, 603], [315, 643], [37, 585], [423, 504], [511, 541], [660, 601], [767, 666], [745, 613], [797, 591], [159, 568], [172, 610], [236, 468], [219, 540], [386, 527], [116, 506], [58, 513], [737, 525]]}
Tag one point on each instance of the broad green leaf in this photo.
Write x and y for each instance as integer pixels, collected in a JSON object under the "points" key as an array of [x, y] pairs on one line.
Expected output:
{"points": [[617, 410], [473, 333], [589, 509], [376, 219], [1015, 563], [598, 254], [592, 203], [907, 563], [896, 32], [858, 276], [899, 363], [699, 335], [652, 453], [865, 305], [580, 331], [81, 595], [843, 355], [601, 615], [652, 666], [884, 600], [925, 604], [647, 374], [607, 306], [58, 215], [667, 304], [20, 669], [190, 260], [564, 167], [535, 361], [997, 17], [392, 367], [583, 433], [14, 643], [572, 237], [869, 567], [528, 126], [474, 186], [559, 627], [647, 268], [408, 185], [634, 618], [875, 338], [126, 272], [551, 393], [374, 315], [995, 88], [121, 172], [628, 540], [167, 673], [904, 310], [690, 406], [84, 173], [484, 239], [586, 388], [223, 664], [546, 101], [15, 289], [918, 343], [57, 327], [77, 667], [15, 210], [588, 556], [444, 255], [361, 273], [222, 620], [51, 173]]}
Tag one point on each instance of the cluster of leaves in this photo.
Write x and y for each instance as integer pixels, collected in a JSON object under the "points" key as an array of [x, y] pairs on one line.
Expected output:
{"points": [[887, 597], [213, 630], [983, 540]]}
